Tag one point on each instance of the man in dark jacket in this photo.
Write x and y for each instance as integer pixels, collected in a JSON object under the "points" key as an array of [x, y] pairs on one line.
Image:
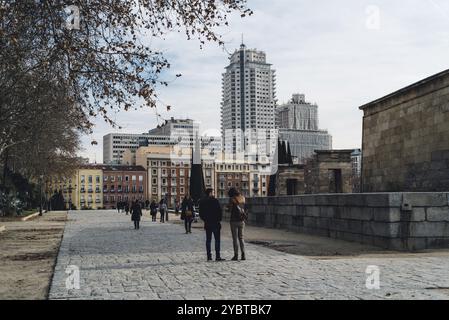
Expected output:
{"points": [[211, 214], [136, 213]]}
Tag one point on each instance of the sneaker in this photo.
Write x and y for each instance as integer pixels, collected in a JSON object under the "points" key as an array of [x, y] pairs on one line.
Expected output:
{"points": [[235, 258], [209, 258], [243, 257], [219, 259]]}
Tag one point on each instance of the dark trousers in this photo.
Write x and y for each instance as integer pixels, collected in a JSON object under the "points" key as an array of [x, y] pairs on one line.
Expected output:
{"points": [[216, 232], [153, 216], [136, 224], [166, 215], [162, 216], [188, 224]]}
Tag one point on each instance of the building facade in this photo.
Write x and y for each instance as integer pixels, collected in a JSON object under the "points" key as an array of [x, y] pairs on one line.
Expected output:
{"points": [[248, 100], [406, 139], [123, 184], [120, 148], [298, 124], [168, 171]]}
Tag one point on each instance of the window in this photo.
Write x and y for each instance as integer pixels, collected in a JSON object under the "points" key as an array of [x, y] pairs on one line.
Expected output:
{"points": [[112, 188], [126, 178], [181, 172], [105, 178], [119, 178], [89, 179], [134, 189], [181, 190], [112, 178], [97, 179], [154, 181], [154, 172], [154, 190], [83, 179], [140, 178], [134, 178], [181, 181]]}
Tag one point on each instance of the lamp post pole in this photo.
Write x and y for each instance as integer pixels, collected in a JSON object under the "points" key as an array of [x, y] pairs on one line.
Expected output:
{"points": [[41, 177]]}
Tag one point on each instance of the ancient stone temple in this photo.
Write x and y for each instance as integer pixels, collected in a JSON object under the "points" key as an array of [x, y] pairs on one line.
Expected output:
{"points": [[329, 171], [406, 139]]}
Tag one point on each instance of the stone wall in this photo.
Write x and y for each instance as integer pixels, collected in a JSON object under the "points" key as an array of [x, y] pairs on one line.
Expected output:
{"points": [[406, 139], [398, 221]]}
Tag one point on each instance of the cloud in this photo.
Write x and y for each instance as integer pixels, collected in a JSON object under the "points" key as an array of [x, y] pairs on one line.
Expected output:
{"points": [[321, 48]]}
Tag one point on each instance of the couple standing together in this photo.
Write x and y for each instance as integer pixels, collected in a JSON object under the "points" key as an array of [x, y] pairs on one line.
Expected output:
{"points": [[211, 214]]}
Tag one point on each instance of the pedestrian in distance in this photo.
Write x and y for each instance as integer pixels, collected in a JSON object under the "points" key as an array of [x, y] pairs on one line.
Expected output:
{"points": [[126, 207], [238, 218], [162, 209], [147, 204], [187, 212], [136, 213], [119, 206], [153, 210], [211, 214]]}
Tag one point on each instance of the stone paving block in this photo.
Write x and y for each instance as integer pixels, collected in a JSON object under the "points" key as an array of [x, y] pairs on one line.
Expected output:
{"points": [[161, 262]]}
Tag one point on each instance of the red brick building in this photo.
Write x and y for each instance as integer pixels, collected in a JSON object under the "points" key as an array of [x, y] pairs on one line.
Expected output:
{"points": [[123, 183]]}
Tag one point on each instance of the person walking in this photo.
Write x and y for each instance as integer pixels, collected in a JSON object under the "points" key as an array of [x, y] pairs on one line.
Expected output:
{"points": [[236, 207], [147, 204], [119, 206], [162, 209], [153, 210], [211, 214], [187, 213], [136, 213], [126, 207]]}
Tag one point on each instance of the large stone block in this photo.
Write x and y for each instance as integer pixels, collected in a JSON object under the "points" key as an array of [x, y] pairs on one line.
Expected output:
{"points": [[381, 229], [438, 214], [356, 213], [429, 229], [431, 199], [433, 243], [387, 214]]}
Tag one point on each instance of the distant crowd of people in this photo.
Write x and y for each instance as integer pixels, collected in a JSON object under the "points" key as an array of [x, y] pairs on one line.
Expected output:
{"points": [[210, 211]]}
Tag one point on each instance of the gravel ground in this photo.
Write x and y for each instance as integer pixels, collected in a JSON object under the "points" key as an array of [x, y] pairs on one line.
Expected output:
{"points": [[27, 255]]}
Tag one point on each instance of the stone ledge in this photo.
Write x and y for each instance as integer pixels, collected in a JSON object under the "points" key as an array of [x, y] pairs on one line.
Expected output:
{"points": [[31, 216], [2, 228]]}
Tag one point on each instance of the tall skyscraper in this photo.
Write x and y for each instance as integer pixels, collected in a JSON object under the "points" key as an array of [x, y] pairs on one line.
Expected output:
{"points": [[297, 121], [249, 100]]}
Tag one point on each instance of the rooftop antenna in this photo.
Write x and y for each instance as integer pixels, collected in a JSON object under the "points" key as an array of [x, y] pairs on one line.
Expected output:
{"points": [[242, 45]]}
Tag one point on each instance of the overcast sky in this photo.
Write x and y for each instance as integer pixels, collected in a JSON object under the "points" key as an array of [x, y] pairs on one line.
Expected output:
{"points": [[340, 54]]}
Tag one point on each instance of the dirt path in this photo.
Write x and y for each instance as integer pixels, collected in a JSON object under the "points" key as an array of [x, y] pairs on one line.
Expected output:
{"points": [[27, 255]]}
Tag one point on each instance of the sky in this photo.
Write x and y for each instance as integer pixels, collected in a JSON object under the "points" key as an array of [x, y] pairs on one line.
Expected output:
{"points": [[340, 54]]}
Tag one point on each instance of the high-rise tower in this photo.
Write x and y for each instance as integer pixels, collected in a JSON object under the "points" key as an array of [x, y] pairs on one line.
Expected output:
{"points": [[248, 105]]}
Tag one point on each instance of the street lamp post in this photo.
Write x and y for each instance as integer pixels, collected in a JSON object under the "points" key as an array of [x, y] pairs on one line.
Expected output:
{"points": [[41, 177]]}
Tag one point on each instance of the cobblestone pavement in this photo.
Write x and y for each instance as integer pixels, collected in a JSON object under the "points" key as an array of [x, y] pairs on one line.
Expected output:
{"points": [[160, 261]]}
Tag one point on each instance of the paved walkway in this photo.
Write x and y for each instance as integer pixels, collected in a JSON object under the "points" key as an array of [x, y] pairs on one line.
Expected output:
{"points": [[160, 261]]}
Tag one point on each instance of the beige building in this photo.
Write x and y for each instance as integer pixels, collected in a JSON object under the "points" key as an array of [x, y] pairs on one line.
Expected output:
{"points": [[168, 171], [406, 139], [83, 190]]}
